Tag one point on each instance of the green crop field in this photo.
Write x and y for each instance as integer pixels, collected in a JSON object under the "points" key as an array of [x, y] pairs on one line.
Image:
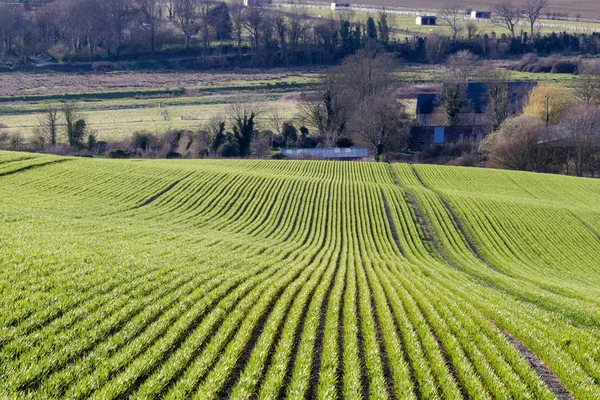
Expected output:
{"points": [[295, 279]]}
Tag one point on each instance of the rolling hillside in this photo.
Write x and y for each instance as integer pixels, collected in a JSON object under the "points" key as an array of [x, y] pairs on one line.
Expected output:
{"points": [[298, 279]]}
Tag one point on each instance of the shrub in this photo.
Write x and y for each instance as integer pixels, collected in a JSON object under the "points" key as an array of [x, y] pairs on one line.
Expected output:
{"points": [[279, 156], [229, 149], [344, 142], [278, 141], [120, 153], [564, 67], [143, 141]]}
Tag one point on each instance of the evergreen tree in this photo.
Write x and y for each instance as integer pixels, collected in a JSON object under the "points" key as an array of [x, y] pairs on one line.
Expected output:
{"points": [[384, 29], [220, 20], [243, 132], [218, 138], [454, 105], [371, 30]]}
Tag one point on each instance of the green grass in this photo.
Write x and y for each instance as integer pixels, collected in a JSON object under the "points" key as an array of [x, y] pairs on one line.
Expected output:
{"points": [[244, 278]]}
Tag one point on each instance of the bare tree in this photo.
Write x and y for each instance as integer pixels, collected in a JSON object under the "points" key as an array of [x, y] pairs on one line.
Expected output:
{"points": [[281, 27], [472, 30], [533, 10], [437, 46], [237, 20], [383, 120], [10, 14], [461, 67], [499, 106], [507, 15], [357, 99], [298, 25], [276, 119], [151, 12], [203, 13], [185, 10], [451, 15], [171, 9], [587, 85], [253, 22], [47, 128], [581, 127], [367, 75], [327, 109], [118, 14]]}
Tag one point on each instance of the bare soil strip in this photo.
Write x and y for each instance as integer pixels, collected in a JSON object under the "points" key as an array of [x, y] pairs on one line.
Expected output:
{"points": [[545, 374]]}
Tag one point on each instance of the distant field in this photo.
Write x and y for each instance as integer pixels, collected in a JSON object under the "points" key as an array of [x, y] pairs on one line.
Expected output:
{"points": [[243, 279], [405, 26], [48, 83], [117, 105], [587, 8]]}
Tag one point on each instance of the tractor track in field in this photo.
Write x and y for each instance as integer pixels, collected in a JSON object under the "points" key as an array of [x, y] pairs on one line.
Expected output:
{"points": [[34, 166], [546, 375], [162, 192], [422, 221], [390, 220], [457, 222]]}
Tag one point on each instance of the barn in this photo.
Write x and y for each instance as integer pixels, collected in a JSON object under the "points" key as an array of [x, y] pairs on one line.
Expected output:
{"points": [[481, 15], [426, 20], [339, 6]]}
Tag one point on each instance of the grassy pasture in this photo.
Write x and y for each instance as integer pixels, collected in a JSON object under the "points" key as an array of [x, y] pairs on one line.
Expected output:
{"points": [[405, 26], [242, 278], [586, 8]]}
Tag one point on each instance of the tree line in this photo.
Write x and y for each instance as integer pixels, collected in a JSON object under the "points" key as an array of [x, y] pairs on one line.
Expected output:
{"points": [[229, 34]]}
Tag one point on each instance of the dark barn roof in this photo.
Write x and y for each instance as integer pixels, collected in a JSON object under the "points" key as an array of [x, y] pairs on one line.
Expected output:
{"points": [[426, 103], [477, 94]]}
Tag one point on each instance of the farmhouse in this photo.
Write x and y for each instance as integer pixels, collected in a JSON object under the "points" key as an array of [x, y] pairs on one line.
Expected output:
{"points": [[348, 153], [477, 97], [426, 20], [339, 6], [481, 15]]}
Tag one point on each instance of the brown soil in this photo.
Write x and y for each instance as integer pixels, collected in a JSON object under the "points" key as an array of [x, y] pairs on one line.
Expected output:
{"points": [[20, 84], [545, 374]]}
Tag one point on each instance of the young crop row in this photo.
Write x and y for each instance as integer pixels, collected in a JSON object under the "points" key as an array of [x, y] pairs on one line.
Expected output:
{"points": [[242, 279], [528, 288]]}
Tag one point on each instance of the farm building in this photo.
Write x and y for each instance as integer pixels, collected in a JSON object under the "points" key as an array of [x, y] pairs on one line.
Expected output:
{"points": [[339, 6], [425, 136], [477, 99], [481, 15], [257, 3], [426, 20], [348, 153]]}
